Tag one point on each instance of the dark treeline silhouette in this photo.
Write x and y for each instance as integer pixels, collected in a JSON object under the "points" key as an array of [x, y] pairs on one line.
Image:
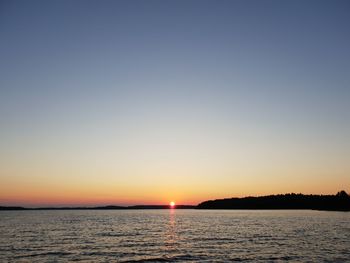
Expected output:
{"points": [[12, 208], [338, 202]]}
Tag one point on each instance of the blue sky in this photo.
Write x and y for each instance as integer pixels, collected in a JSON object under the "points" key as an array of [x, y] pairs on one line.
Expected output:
{"points": [[222, 95]]}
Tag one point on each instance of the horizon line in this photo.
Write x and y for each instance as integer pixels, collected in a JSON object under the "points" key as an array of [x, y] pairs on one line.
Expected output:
{"points": [[146, 206]]}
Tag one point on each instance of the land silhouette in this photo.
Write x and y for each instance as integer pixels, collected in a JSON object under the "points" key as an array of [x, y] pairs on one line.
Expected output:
{"points": [[107, 207], [338, 202]]}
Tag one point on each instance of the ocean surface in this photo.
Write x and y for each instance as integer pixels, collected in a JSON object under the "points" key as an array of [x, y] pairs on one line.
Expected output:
{"points": [[174, 236]]}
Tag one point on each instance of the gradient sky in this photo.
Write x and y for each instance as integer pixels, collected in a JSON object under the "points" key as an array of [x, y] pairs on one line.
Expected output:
{"points": [[129, 102]]}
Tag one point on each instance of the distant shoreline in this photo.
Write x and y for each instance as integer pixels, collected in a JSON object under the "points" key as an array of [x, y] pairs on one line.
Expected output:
{"points": [[108, 207], [338, 202], [10, 208], [2, 208]]}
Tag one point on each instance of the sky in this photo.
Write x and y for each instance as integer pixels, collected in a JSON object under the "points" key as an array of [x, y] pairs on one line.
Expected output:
{"points": [[146, 102]]}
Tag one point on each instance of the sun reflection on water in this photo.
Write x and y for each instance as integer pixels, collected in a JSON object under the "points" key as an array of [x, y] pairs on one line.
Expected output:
{"points": [[171, 237]]}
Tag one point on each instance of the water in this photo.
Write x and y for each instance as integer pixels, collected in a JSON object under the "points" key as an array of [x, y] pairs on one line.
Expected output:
{"points": [[174, 236]]}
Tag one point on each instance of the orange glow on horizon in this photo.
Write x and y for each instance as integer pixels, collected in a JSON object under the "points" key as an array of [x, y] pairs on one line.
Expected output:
{"points": [[172, 204]]}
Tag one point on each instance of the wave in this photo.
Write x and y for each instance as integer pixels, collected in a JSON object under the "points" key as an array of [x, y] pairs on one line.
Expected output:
{"points": [[51, 253], [175, 258]]}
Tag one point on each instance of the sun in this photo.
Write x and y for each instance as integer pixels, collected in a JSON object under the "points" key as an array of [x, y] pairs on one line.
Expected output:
{"points": [[172, 204]]}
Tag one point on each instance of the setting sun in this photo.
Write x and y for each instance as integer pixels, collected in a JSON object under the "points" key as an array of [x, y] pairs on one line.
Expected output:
{"points": [[172, 204]]}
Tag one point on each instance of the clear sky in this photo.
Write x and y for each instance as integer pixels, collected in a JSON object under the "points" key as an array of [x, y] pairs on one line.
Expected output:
{"points": [[130, 102]]}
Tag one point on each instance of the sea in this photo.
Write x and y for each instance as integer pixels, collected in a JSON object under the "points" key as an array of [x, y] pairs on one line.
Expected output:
{"points": [[174, 235]]}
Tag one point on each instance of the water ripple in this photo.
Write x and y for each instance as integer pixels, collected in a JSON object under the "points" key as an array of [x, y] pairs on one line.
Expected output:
{"points": [[174, 236]]}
